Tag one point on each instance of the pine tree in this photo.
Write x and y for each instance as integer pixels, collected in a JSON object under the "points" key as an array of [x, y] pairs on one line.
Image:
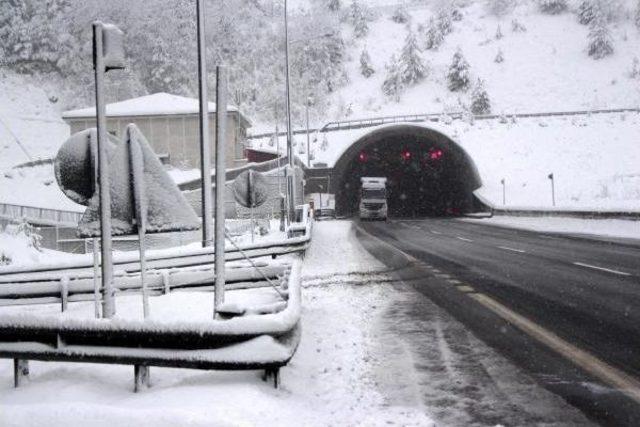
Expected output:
{"points": [[393, 85], [637, 20], [499, 34], [600, 43], [434, 36], [585, 12], [444, 21], [480, 103], [499, 59], [635, 68], [518, 27], [366, 69], [334, 5], [552, 7], [458, 75], [412, 68], [400, 15], [500, 7], [359, 19]]}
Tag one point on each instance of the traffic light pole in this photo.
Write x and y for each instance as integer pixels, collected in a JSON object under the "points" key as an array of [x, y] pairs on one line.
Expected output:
{"points": [[108, 302], [221, 128]]}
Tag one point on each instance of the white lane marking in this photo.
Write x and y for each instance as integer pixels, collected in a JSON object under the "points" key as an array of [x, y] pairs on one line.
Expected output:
{"points": [[612, 376], [507, 248], [464, 239], [608, 270], [435, 232]]}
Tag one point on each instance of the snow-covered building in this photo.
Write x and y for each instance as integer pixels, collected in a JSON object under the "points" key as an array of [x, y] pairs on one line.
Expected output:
{"points": [[170, 123]]}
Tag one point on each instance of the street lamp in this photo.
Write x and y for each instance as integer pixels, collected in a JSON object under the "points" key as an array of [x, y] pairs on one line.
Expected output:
{"points": [[290, 155]]}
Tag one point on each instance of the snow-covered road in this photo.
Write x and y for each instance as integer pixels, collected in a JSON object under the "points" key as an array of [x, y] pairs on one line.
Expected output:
{"points": [[373, 352]]}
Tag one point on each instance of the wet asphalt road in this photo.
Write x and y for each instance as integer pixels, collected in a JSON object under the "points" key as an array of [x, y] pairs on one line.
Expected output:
{"points": [[586, 292]]}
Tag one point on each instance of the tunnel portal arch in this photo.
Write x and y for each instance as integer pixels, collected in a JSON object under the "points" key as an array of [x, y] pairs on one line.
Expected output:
{"points": [[429, 174]]}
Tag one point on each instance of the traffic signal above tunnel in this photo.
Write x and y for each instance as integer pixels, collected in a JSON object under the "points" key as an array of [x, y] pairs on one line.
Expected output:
{"points": [[406, 155], [435, 154]]}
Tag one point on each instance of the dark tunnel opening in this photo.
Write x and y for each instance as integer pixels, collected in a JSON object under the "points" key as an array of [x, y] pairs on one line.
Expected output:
{"points": [[428, 174]]}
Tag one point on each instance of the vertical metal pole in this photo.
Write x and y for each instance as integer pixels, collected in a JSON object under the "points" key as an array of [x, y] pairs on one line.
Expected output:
{"points": [[504, 196], [108, 303], [291, 173], [205, 147], [96, 283], [221, 127], [308, 138], [553, 189]]}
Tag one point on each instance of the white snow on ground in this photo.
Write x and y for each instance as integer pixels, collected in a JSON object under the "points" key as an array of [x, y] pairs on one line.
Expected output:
{"points": [[597, 227], [330, 381], [17, 248]]}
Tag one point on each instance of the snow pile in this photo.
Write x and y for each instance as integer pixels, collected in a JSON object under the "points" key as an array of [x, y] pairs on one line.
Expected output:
{"points": [[616, 228], [19, 247]]}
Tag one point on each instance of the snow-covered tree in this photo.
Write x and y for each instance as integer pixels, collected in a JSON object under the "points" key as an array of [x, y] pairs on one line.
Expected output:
{"points": [[444, 20], [635, 68], [458, 76], [552, 7], [499, 57], [325, 142], [585, 12], [499, 34], [34, 34], [366, 69], [359, 19], [518, 27], [500, 7], [393, 84], [480, 103], [412, 68], [434, 36], [600, 43], [333, 5], [400, 15], [637, 17]]}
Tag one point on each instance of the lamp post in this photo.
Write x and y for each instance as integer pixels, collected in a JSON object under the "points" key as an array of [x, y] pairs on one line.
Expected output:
{"points": [[205, 147], [108, 54], [308, 138], [504, 197], [290, 155]]}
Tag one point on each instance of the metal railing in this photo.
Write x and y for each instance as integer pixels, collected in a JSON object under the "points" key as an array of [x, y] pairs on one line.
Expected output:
{"points": [[40, 216]]}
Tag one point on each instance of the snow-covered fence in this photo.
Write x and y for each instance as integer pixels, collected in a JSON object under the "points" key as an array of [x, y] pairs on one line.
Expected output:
{"points": [[39, 216], [249, 341]]}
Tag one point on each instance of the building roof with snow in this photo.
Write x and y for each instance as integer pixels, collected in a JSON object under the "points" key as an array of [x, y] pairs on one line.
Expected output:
{"points": [[157, 104]]}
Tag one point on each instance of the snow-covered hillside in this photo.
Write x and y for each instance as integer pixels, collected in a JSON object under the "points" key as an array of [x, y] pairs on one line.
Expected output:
{"points": [[546, 67]]}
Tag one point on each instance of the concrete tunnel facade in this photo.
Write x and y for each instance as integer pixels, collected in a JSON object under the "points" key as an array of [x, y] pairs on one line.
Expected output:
{"points": [[428, 173]]}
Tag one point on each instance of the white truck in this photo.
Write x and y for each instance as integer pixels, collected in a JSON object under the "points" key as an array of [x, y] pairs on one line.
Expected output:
{"points": [[373, 198]]}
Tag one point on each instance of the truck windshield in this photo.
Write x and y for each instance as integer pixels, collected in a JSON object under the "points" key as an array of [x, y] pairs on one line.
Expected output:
{"points": [[378, 193]]}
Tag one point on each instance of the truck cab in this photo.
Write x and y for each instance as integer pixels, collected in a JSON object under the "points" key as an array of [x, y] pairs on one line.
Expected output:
{"points": [[373, 198]]}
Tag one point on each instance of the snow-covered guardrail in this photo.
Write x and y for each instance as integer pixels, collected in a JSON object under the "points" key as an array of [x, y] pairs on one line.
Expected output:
{"points": [[253, 341]]}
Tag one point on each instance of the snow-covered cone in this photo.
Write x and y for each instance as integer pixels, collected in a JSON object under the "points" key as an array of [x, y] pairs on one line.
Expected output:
{"points": [[480, 103], [458, 75]]}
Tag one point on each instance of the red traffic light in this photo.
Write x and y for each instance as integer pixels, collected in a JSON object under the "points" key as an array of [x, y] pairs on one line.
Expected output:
{"points": [[435, 154], [363, 157], [406, 155]]}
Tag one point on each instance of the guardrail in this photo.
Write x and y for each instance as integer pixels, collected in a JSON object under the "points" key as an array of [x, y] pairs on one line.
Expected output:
{"points": [[339, 125], [254, 341], [40, 216]]}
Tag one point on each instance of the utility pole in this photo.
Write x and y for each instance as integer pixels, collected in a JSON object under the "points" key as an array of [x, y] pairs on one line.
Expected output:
{"points": [[205, 147], [290, 154], [504, 196]]}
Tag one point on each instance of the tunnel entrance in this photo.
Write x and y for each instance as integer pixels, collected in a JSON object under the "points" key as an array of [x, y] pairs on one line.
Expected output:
{"points": [[428, 174]]}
